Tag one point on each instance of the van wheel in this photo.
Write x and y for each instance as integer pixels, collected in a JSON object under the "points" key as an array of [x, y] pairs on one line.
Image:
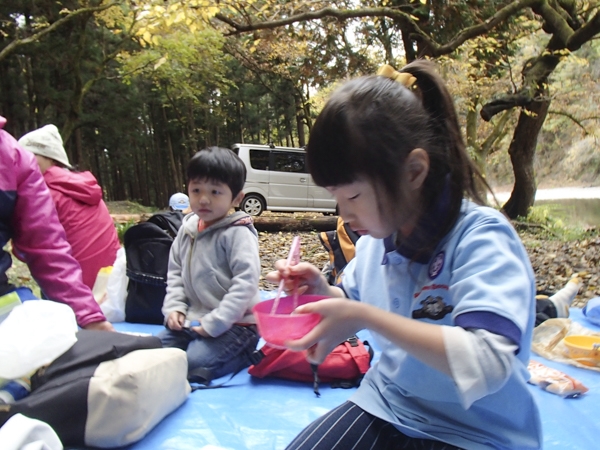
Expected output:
{"points": [[252, 205]]}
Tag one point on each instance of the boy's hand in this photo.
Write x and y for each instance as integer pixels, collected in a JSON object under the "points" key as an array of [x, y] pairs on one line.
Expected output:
{"points": [[175, 321], [100, 326], [201, 331]]}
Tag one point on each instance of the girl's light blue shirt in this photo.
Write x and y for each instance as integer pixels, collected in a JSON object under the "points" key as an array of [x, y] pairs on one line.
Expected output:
{"points": [[479, 276]]}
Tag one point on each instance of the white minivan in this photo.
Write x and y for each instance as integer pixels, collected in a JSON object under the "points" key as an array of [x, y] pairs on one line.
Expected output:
{"points": [[277, 180]]}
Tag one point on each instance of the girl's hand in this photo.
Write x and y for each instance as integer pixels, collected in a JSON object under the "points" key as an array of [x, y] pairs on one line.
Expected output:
{"points": [[340, 319], [175, 321], [308, 278]]}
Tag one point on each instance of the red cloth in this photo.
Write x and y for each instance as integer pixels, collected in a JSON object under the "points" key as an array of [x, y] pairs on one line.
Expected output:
{"points": [[83, 214]]}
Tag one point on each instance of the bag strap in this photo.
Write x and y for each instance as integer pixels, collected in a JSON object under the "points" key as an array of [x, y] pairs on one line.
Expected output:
{"points": [[353, 346], [203, 377], [354, 349]]}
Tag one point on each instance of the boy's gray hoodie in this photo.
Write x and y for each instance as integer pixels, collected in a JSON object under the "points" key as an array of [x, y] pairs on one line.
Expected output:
{"points": [[213, 274]]}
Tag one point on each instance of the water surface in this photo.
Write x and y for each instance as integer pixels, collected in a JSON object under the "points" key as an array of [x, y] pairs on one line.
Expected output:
{"points": [[574, 206]]}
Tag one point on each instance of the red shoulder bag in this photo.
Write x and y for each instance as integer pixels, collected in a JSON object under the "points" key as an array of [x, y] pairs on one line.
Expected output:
{"points": [[344, 367]]}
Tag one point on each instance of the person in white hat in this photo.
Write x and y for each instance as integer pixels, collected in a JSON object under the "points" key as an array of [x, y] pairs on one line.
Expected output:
{"points": [[78, 199], [47, 146], [179, 202]]}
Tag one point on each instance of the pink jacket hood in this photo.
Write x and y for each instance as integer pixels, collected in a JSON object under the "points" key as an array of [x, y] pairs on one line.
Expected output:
{"points": [[80, 186]]}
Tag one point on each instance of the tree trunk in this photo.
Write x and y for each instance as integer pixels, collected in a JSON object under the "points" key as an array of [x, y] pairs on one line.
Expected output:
{"points": [[300, 120], [269, 224], [522, 155], [324, 223], [170, 155]]}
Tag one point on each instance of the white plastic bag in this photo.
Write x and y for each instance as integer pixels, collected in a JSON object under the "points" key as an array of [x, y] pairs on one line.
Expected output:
{"points": [[35, 334], [116, 290], [22, 433]]}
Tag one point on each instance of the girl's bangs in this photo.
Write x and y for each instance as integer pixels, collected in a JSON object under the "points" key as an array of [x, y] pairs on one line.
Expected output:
{"points": [[333, 154]]}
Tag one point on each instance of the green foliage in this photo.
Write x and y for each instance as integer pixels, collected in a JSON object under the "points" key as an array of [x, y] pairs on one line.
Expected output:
{"points": [[543, 219], [18, 274], [123, 227]]}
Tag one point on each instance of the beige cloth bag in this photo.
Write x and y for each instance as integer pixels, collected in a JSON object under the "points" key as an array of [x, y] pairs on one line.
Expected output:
{"points": [[130, 395]]}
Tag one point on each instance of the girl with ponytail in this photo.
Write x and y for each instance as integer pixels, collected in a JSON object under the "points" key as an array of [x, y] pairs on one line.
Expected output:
{"points": [[443, 283]]}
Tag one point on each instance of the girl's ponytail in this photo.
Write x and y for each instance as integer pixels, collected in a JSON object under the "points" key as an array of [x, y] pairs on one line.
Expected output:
{"points": [[438, 103]]}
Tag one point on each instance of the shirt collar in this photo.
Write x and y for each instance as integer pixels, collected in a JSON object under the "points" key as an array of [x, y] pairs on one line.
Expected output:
{"points": [[421, 243]]}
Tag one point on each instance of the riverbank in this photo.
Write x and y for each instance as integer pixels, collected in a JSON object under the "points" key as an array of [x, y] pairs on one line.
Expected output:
{"points": [[557, 193]]}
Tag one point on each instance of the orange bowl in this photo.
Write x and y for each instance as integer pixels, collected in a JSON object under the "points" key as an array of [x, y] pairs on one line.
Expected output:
{"points": [[281, 325], [584, 349]]}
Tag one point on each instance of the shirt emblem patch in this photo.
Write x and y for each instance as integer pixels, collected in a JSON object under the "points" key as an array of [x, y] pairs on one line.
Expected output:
{"points": [[433, 308], [436, 266]]}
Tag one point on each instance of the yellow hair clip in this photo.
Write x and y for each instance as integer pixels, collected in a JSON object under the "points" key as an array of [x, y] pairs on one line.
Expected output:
{"points": [[401, 77]]}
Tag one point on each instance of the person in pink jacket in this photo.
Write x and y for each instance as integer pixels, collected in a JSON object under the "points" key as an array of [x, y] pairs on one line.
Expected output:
{"points": [[78, 200], [28, 218]]}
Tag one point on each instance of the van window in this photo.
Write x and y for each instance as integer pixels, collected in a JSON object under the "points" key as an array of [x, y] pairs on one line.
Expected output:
{"points": [[259, 159], [288, 162]]}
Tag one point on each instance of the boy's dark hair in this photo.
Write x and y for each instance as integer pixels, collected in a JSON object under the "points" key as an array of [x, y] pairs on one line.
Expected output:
{"points": [[370, 125], [219, 165]]}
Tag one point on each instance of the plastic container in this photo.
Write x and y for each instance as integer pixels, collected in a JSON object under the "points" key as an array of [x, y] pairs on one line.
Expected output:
{"points": [[99, 289], [282, 325], [15, 390], [584, 349]]}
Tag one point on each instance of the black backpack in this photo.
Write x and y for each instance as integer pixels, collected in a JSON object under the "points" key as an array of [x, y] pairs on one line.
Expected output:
{"points": [[169, 221], [147, 246]]}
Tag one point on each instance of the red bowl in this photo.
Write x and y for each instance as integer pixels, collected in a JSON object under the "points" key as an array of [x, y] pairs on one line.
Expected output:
{"points": [[281, 325]]}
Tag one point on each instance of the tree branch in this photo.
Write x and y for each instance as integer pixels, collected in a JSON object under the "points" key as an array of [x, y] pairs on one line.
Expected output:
{"points": [[585, 33], [340, 14], [574, 119], [434, 49], [497, 133], [481, 29], [11, 47], [494, 107]]}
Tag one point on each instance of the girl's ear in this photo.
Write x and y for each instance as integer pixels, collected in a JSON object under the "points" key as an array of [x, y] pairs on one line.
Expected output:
{"points": [[416, 168], [238, 199]]}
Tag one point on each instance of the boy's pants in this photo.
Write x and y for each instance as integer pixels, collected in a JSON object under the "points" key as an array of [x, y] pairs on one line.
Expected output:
{"points": [[211, 358]]}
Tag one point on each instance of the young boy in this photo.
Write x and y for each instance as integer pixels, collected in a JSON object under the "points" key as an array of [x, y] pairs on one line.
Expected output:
{"points": [[214, 268]]}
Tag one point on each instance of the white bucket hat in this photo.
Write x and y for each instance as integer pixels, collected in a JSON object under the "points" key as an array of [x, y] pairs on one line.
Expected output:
{"points": [[179, 201], [46, 141]]}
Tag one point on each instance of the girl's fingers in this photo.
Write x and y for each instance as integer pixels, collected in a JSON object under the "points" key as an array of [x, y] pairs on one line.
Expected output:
{"points": [[302, 289], [316, 354], [305, 309], [273, 277]]}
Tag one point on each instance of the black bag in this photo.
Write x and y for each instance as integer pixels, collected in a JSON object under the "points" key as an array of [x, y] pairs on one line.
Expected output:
{"points": [[169, 221], [340, 244], [147, 246]]}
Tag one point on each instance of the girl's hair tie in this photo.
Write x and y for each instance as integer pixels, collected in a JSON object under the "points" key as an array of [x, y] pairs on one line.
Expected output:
{"points": [[403, 78]]}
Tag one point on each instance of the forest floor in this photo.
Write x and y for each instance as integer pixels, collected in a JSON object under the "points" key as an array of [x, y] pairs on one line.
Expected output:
{"points": [[555, 259]]}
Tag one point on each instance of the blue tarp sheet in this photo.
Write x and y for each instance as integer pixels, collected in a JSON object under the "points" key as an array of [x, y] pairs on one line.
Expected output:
{"points": [[267, 414]]}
